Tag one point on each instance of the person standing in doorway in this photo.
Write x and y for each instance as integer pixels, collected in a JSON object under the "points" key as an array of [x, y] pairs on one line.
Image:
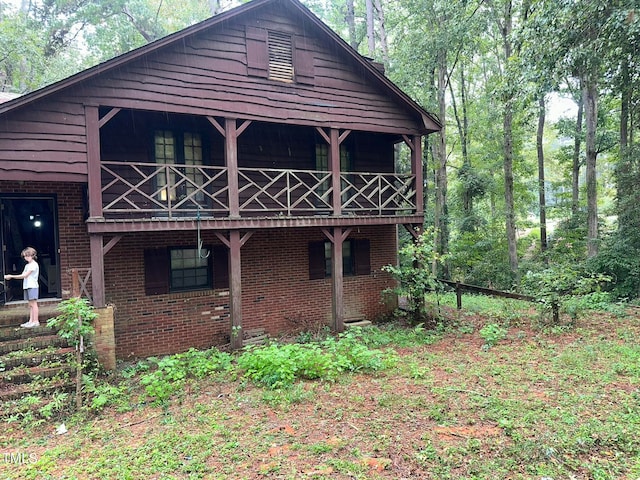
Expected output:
{"points": [[29, 277]]}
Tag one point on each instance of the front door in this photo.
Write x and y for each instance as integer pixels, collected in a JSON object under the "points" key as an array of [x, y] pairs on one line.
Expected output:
{"points": [[29, 221]]}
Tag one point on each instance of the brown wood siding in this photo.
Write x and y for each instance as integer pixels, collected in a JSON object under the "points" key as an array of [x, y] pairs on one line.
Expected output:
{"points": [[44, 143], [207, 76], [202, 75]]}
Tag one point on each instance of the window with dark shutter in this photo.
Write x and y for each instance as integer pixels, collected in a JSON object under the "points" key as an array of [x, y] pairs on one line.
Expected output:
{"points": [[184, 269], [356, 258], [156, 271], [220, 267], [317, 261], [362, 257]]}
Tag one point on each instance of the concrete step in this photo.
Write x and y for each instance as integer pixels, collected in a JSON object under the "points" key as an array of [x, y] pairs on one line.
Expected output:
{"points": [[30, 343], [31, 358], [16, 333], [30, 374], [16, 313]]}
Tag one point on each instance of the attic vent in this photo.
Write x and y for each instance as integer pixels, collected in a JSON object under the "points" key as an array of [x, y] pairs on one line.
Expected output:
{"points": [[280, 57]]}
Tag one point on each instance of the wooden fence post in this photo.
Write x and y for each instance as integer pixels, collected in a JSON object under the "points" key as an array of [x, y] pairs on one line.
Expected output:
{"points": [[75, 283], [458, 296], [556, 313]]}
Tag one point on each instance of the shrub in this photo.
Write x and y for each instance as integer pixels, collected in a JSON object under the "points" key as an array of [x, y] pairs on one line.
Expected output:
{"points": [[75, 321], [572, 290]]}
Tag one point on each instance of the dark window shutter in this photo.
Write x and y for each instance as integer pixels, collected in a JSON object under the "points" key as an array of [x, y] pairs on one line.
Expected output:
{"points": [[316, 260], [156, 271], [220, 266], [257, 52], [303, 61], [362, 257]]}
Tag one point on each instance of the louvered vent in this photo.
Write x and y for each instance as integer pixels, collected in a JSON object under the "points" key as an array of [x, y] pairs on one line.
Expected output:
{"points": [[280, 57]]}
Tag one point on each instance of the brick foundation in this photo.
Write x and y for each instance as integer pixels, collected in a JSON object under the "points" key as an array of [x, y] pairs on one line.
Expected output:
{"points": [[277, 295]]}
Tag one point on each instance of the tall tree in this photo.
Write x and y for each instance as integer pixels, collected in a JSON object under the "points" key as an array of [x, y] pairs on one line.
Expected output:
{"points": [[542, 108]]}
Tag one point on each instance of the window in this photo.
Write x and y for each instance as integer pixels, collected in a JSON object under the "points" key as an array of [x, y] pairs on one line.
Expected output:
{"points": [[179, 148], [189, 269], [355, 258], [346, 165], [180, 269]]}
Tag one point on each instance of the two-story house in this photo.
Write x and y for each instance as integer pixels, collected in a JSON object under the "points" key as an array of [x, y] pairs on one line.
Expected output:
{"points": [[238, 175]]}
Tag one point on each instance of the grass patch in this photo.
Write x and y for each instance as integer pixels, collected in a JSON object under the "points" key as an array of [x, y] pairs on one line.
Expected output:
{"points": [[381, 403]]}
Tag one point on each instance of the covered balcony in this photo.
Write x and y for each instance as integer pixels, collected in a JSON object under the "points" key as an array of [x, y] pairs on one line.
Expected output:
{"points": [[229, 173], [164, 191]]}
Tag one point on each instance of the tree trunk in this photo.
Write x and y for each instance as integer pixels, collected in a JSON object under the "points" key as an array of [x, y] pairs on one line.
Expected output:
{"points": [[351, 24], [591, 119], [541, 184], [214, 7], [575, 171], [383, 33], [510, 216], [370, 28], [440, 214]]}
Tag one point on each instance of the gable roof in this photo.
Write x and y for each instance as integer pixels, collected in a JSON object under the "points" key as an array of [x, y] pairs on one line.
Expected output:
{"points": [[430, 122]]}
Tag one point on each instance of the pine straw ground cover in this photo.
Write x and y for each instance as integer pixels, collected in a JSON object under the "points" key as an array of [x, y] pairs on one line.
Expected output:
{"points": [[561, 403]]}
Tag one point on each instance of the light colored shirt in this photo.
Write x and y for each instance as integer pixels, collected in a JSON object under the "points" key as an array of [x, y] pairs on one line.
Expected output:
{"points": [[31, 280]]}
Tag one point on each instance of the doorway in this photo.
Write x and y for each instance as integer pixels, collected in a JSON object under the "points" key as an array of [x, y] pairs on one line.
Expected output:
{"points": [[29, 221]]}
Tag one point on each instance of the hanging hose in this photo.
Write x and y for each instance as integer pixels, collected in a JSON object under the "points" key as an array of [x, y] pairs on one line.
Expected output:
{"points": [[199, 237]]}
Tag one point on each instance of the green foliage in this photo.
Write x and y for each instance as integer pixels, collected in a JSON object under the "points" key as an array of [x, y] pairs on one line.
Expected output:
{"points": [[75, 321], [492, 334], [166, 376], [414, 274], [619, 259], [55, 406], [278, 366], [572, 290], [480, 258], [103, 393]]}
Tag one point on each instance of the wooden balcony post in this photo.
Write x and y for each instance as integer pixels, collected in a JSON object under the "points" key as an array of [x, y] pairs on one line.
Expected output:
{"points": [[416, 169], [93, 160], [231, 160], [234, 243], [337, 238], [235, 284], [334, 165]]}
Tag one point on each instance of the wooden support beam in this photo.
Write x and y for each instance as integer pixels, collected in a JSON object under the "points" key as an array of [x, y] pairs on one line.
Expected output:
{"points": [[243, 127], [112, 113], [343, 135], [243, 239], [97, 270], [111, 243], [414, 229], [234, 242], [334, 167], [337, 238], [323, 134], [217, 125], [92, 125], [231, 160], [416, 169], [235, 289]]}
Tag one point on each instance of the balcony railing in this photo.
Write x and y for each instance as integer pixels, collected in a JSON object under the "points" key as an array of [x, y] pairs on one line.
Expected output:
{"points": [[150, 190]]}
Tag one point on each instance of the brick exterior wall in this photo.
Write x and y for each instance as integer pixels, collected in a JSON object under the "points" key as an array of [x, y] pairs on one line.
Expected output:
{"points": [[277, 295]]}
